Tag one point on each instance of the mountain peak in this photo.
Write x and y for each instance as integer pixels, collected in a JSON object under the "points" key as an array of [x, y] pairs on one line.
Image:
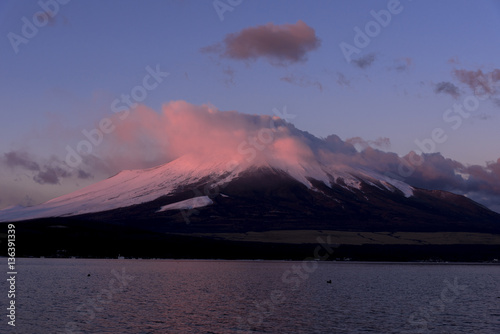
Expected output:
{"points": [[132, 187]]}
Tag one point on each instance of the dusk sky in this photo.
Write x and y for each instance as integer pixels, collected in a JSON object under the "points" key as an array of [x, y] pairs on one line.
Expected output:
{"points": [[384, 74]]}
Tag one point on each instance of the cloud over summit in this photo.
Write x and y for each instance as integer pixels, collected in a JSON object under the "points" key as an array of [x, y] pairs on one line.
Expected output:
{"points": [[148, 138], [183, 128]]}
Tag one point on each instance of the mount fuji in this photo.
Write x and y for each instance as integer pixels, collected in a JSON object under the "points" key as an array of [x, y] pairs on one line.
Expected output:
{"points": [[262, 194], [271, 195], [131, 188]]}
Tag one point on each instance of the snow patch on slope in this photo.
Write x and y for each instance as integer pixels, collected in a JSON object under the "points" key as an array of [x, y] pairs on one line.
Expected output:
{"points": [[192, 203], [387, 182]]}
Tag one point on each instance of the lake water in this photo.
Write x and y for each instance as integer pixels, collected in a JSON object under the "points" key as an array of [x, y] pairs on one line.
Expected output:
{"points": [[191, 296]]}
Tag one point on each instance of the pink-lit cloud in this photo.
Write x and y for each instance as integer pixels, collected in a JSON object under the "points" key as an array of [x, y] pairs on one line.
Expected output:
{"points": [[147, 138], [481, 83], [278, 44]]}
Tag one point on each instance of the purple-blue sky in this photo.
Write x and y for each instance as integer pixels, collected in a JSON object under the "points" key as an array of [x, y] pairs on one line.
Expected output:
{"points": [[250, 56]]}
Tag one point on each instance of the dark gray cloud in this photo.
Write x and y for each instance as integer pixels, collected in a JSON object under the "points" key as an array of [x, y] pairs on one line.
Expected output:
{"points": [[51, 171], [484, 179], [447, 88], [433, 171], [47, 176], [428, 171], [365, 61], [20, 159], [84, 175], [279, 44], [337, 145]]}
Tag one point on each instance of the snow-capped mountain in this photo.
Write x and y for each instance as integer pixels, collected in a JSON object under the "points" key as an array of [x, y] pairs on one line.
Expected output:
{"points": [[208, 208], [239, 194], [134, 187]]}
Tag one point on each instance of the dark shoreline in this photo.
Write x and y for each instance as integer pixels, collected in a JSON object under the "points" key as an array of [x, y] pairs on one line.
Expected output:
{"points": [[92, 241]]}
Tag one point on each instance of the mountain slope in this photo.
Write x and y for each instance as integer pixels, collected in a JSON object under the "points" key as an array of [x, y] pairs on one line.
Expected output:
{"points": [[192, 208], [189, 195], [132, 187]]}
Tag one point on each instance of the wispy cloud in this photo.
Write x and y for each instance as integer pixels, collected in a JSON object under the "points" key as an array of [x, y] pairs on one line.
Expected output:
{"points": [[447, 88], [302, 81], [51, 171], [365, 61], [229, 75], [48, 16], [20, 159], [51, 175], [342, 80], [278, 44], [403, 64], [381, 142], [481, 83]]}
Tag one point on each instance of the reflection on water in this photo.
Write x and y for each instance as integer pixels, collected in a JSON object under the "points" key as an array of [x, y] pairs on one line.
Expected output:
{"points": [[191, 296]]}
